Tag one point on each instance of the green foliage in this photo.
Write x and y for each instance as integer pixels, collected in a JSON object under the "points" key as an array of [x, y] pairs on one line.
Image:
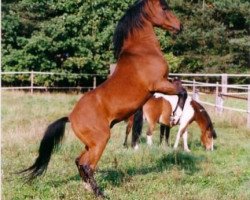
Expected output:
{"points": [[173, 61], [76, 37]]}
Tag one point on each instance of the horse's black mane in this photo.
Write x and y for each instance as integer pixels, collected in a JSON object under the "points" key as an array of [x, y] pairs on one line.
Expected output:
{"points": [[131, 20]]}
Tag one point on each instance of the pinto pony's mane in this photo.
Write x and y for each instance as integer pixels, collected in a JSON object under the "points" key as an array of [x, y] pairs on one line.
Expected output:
{"points": [[200, 109], [132, 20]]}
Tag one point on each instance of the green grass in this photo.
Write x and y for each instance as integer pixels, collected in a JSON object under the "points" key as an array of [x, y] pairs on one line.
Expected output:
{"points": [[153, 172]]}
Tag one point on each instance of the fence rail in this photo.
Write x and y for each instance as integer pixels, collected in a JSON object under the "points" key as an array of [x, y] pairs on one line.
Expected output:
{"points": [[221, 90]]}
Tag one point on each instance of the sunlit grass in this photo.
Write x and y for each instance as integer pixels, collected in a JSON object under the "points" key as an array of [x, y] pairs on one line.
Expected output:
{"points": [[153, 172]]}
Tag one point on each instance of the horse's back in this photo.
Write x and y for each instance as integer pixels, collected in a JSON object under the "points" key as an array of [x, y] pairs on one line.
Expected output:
{"points": [[157, 110]]}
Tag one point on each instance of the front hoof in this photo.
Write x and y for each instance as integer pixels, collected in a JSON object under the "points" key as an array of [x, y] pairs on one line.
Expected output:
{"points": [[175, 148], [187, 150], [136, 147]]}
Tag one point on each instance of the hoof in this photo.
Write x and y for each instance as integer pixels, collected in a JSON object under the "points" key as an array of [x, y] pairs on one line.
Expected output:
{"points": [[187, 150], [98, 193], [149, 140], [87, 187], [125, 146], [136, 147]]}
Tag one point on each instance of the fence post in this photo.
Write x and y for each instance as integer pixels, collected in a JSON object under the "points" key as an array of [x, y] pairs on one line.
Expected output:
{"points": [[94, 82], [31, 81], [216, 97], [195, 91], [218, 100], [248, 107], [224, 83]]}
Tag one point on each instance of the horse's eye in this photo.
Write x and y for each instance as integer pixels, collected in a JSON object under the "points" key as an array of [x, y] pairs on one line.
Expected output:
{"points": [[164, 8]]}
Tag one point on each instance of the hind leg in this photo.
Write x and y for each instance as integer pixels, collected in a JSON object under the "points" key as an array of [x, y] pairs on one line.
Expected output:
{"points": [[150, 133], [167, 131], [85, 181], [87, 161], [128, 129], [162, 130]]}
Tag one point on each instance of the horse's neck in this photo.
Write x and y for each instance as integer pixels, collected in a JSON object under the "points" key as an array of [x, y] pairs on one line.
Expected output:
{"points": [[143, 41], [200, 117]]}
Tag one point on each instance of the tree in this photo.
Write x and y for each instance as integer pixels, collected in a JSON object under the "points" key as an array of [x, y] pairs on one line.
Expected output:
{"points": [[75, 37]]}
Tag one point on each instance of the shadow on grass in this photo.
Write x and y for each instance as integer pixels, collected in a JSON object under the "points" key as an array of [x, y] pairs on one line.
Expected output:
{"points": [[116, 177], [181, 160]]}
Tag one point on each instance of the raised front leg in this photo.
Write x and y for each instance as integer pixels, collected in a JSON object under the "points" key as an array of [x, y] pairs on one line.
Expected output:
{"points": [[165, 87]]}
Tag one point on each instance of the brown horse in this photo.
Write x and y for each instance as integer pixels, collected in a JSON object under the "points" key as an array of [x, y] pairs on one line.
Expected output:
{"points": [[160, 109], [141, 71]]}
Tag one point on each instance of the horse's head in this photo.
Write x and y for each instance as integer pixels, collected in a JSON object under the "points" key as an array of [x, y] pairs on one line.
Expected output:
{"points": [[208, 133], [160, 14], [207, 137]]}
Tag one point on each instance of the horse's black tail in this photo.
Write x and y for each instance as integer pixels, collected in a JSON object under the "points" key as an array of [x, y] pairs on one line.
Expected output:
{"points": [[51, 139], [137, 126]]}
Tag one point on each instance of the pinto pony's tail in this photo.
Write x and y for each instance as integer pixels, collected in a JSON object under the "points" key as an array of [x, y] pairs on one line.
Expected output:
{"points": [[137, 126], [51, 139]]}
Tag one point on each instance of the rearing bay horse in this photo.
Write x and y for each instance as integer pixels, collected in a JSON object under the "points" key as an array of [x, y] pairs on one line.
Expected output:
{"points": [[141, 71]]}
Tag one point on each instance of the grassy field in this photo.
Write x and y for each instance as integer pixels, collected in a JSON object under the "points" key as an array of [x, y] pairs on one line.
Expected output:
{"points": [[153, 172]]}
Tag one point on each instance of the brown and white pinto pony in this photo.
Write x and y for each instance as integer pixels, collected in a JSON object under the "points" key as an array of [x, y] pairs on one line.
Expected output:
{"points": [[159, 109], [140, 72]]}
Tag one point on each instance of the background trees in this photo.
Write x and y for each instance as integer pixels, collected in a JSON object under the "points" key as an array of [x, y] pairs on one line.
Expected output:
{"points": [[76, 37]]}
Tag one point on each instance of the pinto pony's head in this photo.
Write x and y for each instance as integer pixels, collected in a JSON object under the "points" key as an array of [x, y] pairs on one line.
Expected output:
{"points": [[207, 138], [203, 119]]}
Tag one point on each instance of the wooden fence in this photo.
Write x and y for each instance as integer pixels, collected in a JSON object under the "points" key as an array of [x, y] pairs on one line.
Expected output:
{"points": [[220, 90], [33, 87]]}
